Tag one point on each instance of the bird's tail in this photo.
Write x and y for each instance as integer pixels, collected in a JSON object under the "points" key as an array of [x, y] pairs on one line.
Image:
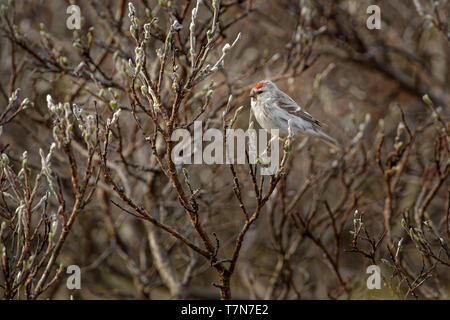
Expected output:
{"points": [[326, 138]]}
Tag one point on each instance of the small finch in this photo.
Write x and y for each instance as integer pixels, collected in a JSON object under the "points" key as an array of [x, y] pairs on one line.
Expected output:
{"points": [[273, 109]]}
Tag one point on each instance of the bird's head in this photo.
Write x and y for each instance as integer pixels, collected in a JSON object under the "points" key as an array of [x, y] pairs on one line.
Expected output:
{"points": [[261, 87]]}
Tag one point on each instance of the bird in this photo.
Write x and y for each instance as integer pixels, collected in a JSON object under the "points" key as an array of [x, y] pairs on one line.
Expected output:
{"points": [[274, 109]]}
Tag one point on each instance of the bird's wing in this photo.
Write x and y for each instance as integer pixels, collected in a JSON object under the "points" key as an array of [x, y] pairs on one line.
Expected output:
{"points": [[285, 102]]}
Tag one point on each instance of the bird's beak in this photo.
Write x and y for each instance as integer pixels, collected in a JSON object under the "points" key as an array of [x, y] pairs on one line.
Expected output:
{"points": [[252, 94]]}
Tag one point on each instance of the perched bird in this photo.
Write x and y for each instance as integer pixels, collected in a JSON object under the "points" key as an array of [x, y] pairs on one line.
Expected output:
{"points": [[273, 109]]}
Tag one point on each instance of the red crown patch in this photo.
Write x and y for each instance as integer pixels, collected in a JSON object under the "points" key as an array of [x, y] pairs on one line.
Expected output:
{"points": [[258, 85]]}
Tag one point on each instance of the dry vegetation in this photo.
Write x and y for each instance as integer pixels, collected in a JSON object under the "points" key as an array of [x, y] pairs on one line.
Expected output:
{"points": [[87, 177]]}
